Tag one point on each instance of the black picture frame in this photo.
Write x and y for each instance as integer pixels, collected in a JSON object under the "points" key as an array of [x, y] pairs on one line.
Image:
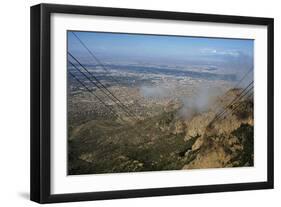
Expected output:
{"points": [[41, 96]]}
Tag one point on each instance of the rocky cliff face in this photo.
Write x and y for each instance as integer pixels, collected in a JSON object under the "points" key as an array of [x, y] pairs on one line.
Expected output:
{"points": [[228, 142]]}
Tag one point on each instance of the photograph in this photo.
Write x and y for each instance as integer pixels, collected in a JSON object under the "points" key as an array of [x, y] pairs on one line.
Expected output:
{"points": [[133, 103], [156, 102]]}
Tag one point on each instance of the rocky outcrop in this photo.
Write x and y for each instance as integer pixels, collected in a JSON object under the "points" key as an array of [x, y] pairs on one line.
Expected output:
{"points": [[215, 157], [228, 142], [197, 125], [180, 127], [198, 143]]}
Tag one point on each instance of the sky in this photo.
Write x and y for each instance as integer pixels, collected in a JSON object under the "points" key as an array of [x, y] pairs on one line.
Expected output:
{"points": [[162, 47]]}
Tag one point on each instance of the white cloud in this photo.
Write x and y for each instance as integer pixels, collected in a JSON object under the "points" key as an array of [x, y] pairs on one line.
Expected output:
{"points": [[210, 51]]}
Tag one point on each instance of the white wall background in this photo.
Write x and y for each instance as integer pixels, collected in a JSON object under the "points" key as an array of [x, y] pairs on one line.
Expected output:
{"points": [[14, 104]]}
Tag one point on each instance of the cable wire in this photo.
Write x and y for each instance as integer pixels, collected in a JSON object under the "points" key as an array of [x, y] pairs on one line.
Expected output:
{"points": [[231, 103], [101, 88], [89, 90], [98, 61]]}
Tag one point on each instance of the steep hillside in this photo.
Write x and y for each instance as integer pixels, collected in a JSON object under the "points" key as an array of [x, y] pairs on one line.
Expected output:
{"points": [[165, 141], [229, 141]]}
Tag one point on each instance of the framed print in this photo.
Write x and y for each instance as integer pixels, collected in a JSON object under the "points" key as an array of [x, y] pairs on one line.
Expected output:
{"points": [[133, 103]]}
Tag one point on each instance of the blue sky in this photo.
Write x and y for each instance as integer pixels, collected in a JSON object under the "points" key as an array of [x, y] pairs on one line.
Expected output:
{"points": [[137, 46]]}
